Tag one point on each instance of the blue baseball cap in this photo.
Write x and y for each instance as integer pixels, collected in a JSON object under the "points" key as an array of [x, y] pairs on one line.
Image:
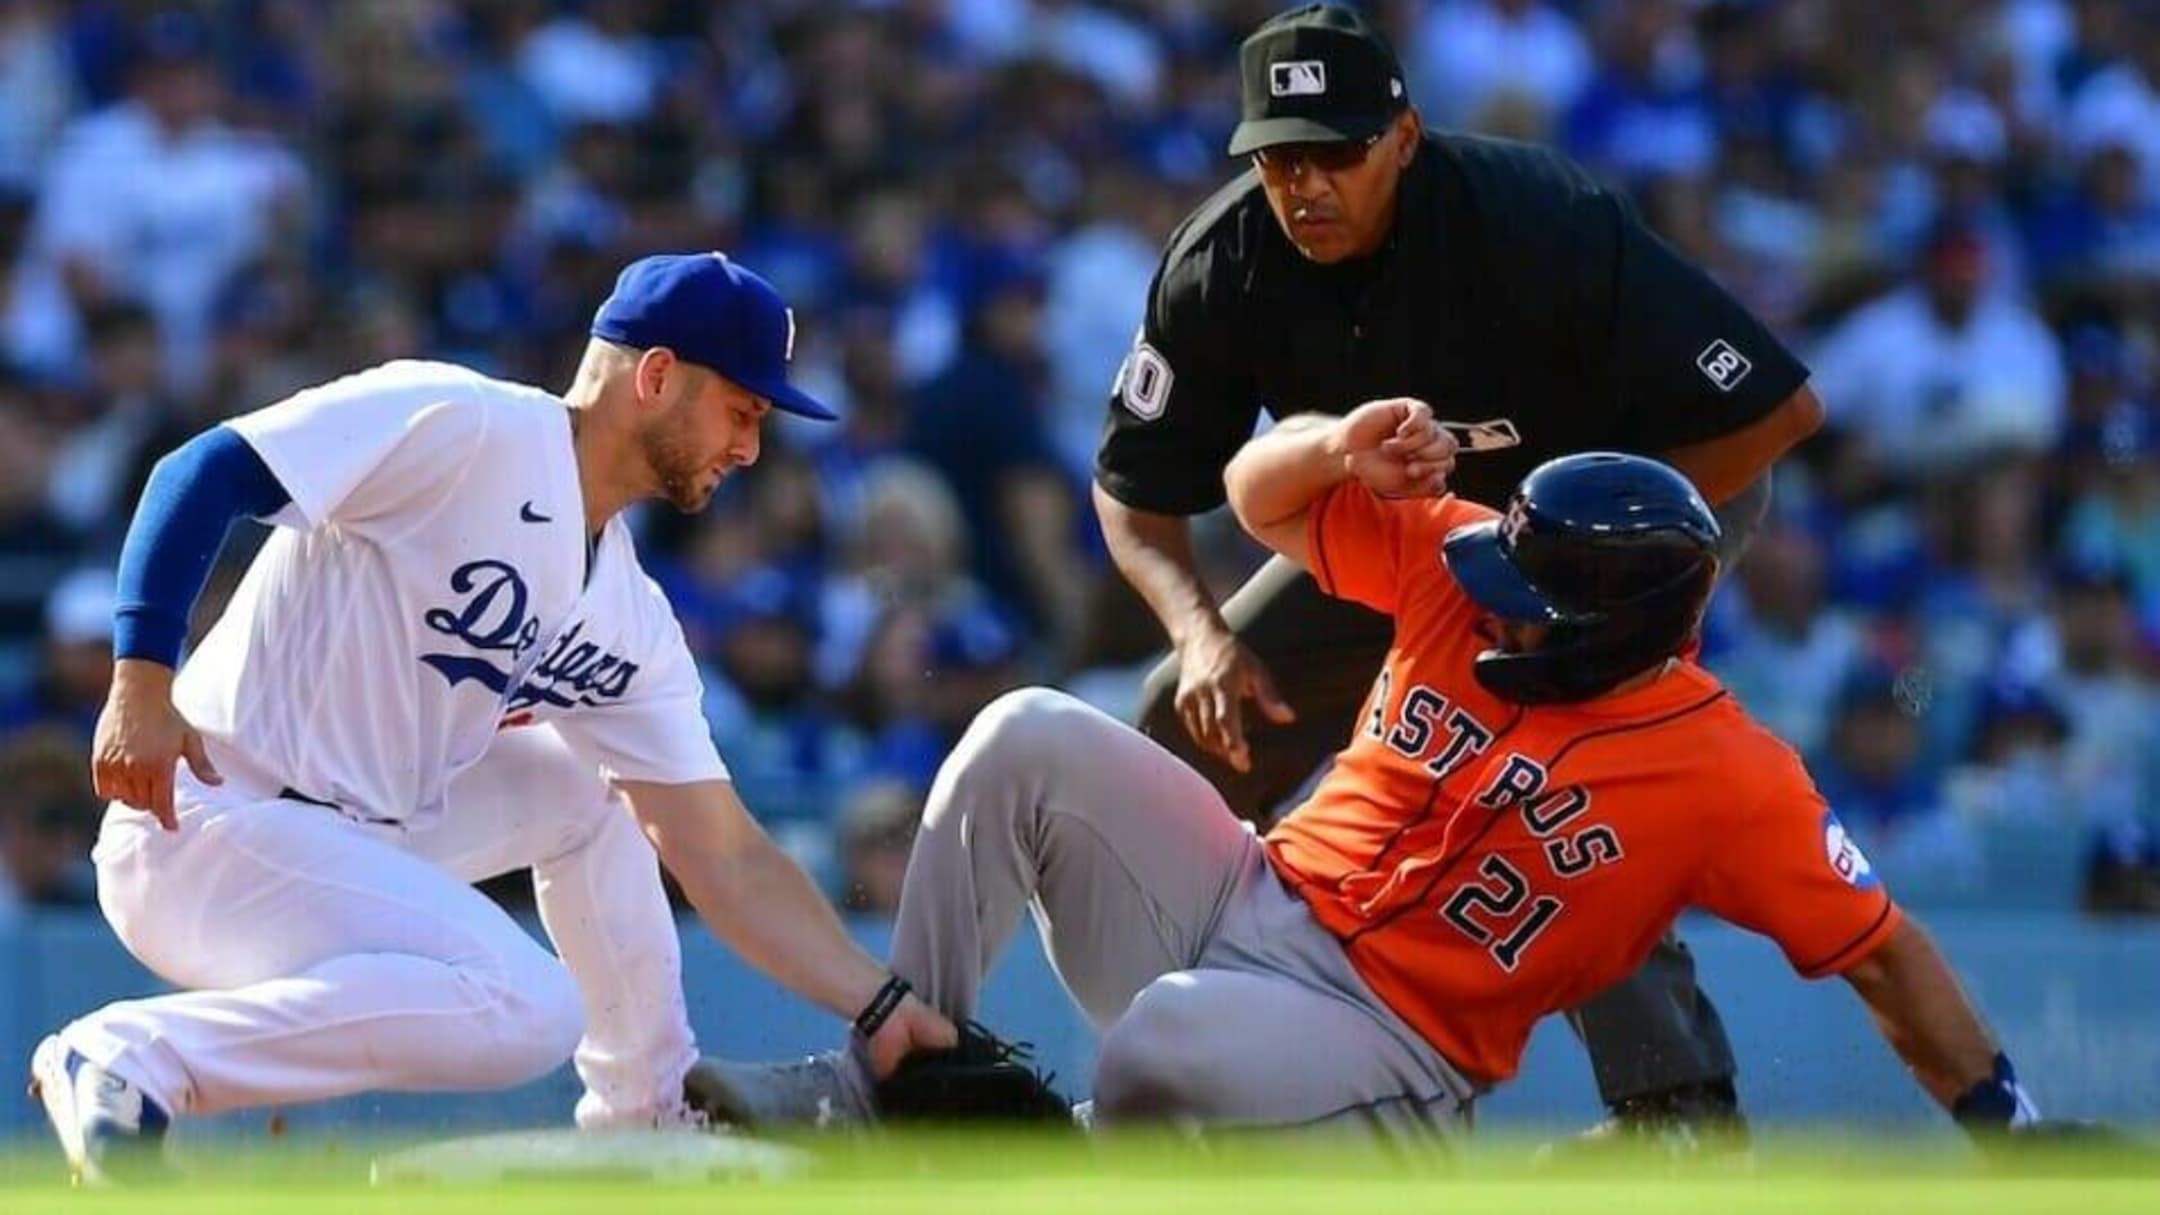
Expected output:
{"points": [[714, 312]]}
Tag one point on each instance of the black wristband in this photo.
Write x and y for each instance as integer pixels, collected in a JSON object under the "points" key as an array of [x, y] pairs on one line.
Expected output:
{"points": [[1996, 1104], [880, 1008]]}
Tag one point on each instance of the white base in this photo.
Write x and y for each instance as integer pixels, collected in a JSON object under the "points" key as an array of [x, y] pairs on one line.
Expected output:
{"points": [[680, 1157]]}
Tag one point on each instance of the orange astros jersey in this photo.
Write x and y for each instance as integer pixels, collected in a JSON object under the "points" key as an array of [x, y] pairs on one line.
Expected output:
{"points": [[1486, 863]]}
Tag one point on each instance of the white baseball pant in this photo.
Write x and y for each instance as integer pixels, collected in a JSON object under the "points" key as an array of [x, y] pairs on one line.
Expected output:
{"points": [[324, 957]]}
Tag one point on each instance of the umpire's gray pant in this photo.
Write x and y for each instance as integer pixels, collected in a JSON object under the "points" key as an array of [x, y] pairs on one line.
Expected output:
{"points": [[1221, 1001]]}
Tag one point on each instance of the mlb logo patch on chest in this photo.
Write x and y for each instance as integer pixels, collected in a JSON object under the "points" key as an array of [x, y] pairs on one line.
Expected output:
{"points": [[1492, 435], [1297, 78]]}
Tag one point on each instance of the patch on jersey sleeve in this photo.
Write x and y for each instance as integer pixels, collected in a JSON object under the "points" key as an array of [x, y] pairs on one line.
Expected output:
{"points": [[1846, 859], [1143, 381], [1723, 365]]}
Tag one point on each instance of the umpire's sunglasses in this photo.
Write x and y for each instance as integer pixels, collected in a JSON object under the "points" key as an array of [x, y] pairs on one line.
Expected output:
{"points": [[1325, 156]]}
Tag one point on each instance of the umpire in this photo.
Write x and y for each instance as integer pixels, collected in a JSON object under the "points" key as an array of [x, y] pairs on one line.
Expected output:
{"points": [[1361, 256]]}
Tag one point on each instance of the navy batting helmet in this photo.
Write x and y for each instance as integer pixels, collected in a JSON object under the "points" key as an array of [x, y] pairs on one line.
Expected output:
{"points": [[1615, 554]]}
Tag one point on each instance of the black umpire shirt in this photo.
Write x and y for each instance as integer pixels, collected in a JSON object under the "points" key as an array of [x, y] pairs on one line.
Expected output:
{"points": [[1512, 290]]}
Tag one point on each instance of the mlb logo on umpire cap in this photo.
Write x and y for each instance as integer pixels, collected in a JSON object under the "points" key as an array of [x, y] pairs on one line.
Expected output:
{"points": [[1297, 78], [1317, 74]]}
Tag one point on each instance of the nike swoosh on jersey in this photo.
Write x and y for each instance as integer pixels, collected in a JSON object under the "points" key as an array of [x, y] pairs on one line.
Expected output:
{"points": [[529, 515]]}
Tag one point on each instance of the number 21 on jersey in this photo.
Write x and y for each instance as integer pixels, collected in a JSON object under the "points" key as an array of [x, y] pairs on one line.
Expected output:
{"points": [[1497, 908]]}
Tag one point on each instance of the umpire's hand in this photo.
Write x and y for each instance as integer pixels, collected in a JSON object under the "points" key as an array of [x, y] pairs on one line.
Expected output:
{"points": [[1397, 449], [1216, 675], [141, 739]]}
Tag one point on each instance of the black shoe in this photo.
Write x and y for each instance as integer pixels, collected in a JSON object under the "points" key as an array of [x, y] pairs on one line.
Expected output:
{"points": [[1696, 1123]]}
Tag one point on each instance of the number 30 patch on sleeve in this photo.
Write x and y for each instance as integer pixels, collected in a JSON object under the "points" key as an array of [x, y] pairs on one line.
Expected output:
{"points": [[1143, 381]]}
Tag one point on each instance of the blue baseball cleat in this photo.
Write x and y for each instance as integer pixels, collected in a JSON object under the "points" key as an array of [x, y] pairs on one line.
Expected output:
{"points": [[110, 1129]]}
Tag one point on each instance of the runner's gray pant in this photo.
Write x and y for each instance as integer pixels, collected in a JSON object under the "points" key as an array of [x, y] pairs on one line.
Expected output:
{"points": [[1220, 999]]}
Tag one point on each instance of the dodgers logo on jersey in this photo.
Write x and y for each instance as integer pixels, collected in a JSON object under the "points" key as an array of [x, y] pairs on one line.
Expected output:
{"points": [[493, 616], [1846, 859], [574, 672]]}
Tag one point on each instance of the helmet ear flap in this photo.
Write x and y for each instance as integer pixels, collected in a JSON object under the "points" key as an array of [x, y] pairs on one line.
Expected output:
{"points": [[1615, 554], [1580, 661]]}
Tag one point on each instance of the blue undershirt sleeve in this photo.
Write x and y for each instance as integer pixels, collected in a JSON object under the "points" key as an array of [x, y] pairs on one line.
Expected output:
{"points": [[193, 498]]}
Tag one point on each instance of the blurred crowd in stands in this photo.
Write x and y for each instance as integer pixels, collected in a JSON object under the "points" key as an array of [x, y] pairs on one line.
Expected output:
{"points": [[1951, 208]]}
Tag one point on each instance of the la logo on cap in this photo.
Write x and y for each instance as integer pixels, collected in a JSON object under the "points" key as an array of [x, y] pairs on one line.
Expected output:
{"points": [[1297, 78]]}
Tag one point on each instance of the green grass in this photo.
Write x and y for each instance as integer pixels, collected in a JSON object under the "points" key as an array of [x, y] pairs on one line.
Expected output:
{"points": [[1012, 1175]]}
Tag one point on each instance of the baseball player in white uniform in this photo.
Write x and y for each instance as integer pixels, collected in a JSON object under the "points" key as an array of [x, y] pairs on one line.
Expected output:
{"points": [[445, 664]]}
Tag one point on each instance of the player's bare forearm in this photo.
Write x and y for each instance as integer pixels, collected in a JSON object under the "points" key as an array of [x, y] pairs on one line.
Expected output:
{"points": [[1155, 554], [1722, 467], [143, 677], [1393, 447], [752, 895], [764, 907], [1924, 1014], [1276, 478]]}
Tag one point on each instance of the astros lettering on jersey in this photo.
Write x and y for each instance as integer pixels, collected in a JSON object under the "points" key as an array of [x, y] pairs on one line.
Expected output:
{"points": [[1486, 863]]}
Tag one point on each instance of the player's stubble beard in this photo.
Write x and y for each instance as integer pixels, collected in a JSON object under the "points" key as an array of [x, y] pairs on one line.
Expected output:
{"points": [[671, 456]]}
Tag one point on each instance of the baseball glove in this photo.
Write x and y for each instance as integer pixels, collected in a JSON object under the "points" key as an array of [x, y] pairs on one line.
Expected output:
{"points": [[982, 1079]]}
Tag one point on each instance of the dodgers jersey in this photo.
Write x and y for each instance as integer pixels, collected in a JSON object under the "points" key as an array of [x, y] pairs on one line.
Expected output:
{"points": [[425, 588]]}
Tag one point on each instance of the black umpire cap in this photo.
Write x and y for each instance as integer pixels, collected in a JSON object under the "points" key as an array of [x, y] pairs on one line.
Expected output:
{"points": [[1319, 74]]}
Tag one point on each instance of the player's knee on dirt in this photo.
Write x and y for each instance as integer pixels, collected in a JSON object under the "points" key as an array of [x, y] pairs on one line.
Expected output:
{"points": [[1155, 1064]]}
